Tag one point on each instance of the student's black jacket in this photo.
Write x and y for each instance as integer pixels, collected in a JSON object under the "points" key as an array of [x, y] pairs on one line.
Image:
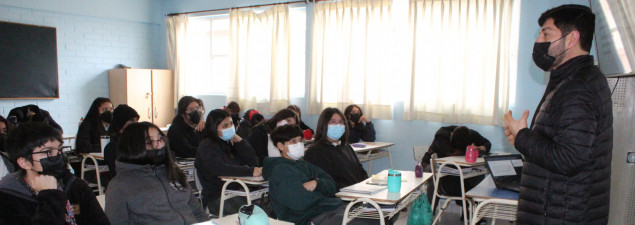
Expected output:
{"points": [[366, 133], [215, 157], [20, 205], [340, 162], [89, 137], [244, 128], [441, 144], [110, 154], [183, 138], [259, 139], [567, 171]]}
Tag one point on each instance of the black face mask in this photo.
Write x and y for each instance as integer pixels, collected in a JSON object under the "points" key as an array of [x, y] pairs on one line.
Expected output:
{"points": [[195, 117], [106, 116], [54, 166], [156, 156], [541, 54], [355, 117]]}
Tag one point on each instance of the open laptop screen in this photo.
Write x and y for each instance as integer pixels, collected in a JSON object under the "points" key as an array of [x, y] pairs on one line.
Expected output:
{"points": [[504, 165]]}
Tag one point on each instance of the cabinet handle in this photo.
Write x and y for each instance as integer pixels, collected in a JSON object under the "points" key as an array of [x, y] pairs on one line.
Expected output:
{"points": [[149, 117], [156, 112]]}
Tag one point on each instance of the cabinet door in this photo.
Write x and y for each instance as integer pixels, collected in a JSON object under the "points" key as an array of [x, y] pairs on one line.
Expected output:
{"points": [[162, 100], [140, 92]]}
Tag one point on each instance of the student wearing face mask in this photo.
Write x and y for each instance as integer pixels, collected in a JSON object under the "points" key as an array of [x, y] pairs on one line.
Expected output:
{"points": [[301, 192], [331, 150], [149, 188], [6, 166], [223, 153], [360, 127], [94, 126], [122, 117], [259, 136], [183, 133], [43, 191]]}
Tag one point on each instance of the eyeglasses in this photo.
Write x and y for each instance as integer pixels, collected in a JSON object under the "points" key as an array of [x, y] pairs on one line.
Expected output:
{"points": [[189, 110], [52, 151], [155, 143]]}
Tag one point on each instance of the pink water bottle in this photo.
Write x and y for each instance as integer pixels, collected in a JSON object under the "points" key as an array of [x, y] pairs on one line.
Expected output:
{"points": [[471, 154]]}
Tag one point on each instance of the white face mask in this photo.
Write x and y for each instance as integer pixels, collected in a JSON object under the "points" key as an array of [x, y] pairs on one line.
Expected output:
{"points": [[282, 123], [296, 151]]}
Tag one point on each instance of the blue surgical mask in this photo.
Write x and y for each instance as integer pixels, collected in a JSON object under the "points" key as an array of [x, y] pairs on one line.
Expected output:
{"points": [[336, 131], [228, 133]]}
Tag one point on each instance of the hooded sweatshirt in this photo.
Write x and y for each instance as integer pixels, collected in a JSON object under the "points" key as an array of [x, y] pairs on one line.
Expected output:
{"points": [[20, 205], [291, 201], [142, 194]]}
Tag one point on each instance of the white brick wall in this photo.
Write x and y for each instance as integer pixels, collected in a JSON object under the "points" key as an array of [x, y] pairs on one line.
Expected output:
{"points": [[87, 47]]}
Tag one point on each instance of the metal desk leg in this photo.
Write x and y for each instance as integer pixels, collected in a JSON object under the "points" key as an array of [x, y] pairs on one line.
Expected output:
{"points": [[98, 177], [224, 197], [389, 157], [345, 219]]}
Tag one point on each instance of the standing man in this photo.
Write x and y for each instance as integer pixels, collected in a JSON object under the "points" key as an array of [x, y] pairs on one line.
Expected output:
{"points": [[567, 149]]}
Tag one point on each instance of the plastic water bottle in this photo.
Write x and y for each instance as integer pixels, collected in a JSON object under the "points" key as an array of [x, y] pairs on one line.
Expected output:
{"points": [[419, 170]]}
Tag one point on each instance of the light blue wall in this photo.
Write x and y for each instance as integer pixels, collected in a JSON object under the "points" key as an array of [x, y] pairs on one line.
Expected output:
{"points": [[92, 37]]}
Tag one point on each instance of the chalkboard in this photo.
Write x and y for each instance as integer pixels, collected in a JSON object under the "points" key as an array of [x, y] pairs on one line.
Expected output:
{"points": [[28, 61]]}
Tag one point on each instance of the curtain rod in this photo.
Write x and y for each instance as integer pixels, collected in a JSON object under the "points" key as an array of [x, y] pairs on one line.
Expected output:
{"points": [[242, 7]]}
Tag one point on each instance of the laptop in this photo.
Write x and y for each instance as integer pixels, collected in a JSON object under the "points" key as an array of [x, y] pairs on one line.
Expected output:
{"points": [[505, 170]]}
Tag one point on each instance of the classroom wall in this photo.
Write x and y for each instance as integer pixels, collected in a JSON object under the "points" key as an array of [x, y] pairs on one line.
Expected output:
{"points": [[92, 37], [531, 82]]}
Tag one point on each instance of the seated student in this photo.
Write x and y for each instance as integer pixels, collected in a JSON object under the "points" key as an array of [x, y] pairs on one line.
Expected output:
{"points": [[183, 135], [28, 113], [360, 127], [94, 126], [453, 141], [306, 130], [43, 191], [149, 188], [301, 192], [259, 136], [223, 153], [121, 117], [4, 130], [233, 109], [331, 150], [250, 118]]}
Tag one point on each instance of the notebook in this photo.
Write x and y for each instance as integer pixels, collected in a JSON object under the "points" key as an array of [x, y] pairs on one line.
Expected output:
{"points": [[363, 188], [505, 170]]}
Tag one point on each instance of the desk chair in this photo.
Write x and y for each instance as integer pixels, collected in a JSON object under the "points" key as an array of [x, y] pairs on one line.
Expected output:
{"points": [[102, 201], [419, 151], [436, 175], [227, 194], [495, 209], [84, 169]]}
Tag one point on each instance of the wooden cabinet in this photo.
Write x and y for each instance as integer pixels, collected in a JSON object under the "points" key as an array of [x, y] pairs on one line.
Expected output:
{"points": [[149, 91]]}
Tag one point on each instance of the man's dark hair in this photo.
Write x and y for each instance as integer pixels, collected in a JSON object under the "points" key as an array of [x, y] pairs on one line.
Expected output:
{"points": [[233, 106], [280, 115], [572, 17], [285, 133], [28, 136], [461, 138]]}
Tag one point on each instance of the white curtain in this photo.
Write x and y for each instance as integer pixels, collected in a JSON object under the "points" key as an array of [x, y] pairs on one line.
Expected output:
{"points": [[460, 60], [177, 47], [259, 59], [351, 47]]}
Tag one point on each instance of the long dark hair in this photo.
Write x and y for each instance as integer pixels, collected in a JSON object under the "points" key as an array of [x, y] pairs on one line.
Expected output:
{"points": [[280, 115], [323, 126], [93, 117], [347, 113], [214, 118], [132, 148]]}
